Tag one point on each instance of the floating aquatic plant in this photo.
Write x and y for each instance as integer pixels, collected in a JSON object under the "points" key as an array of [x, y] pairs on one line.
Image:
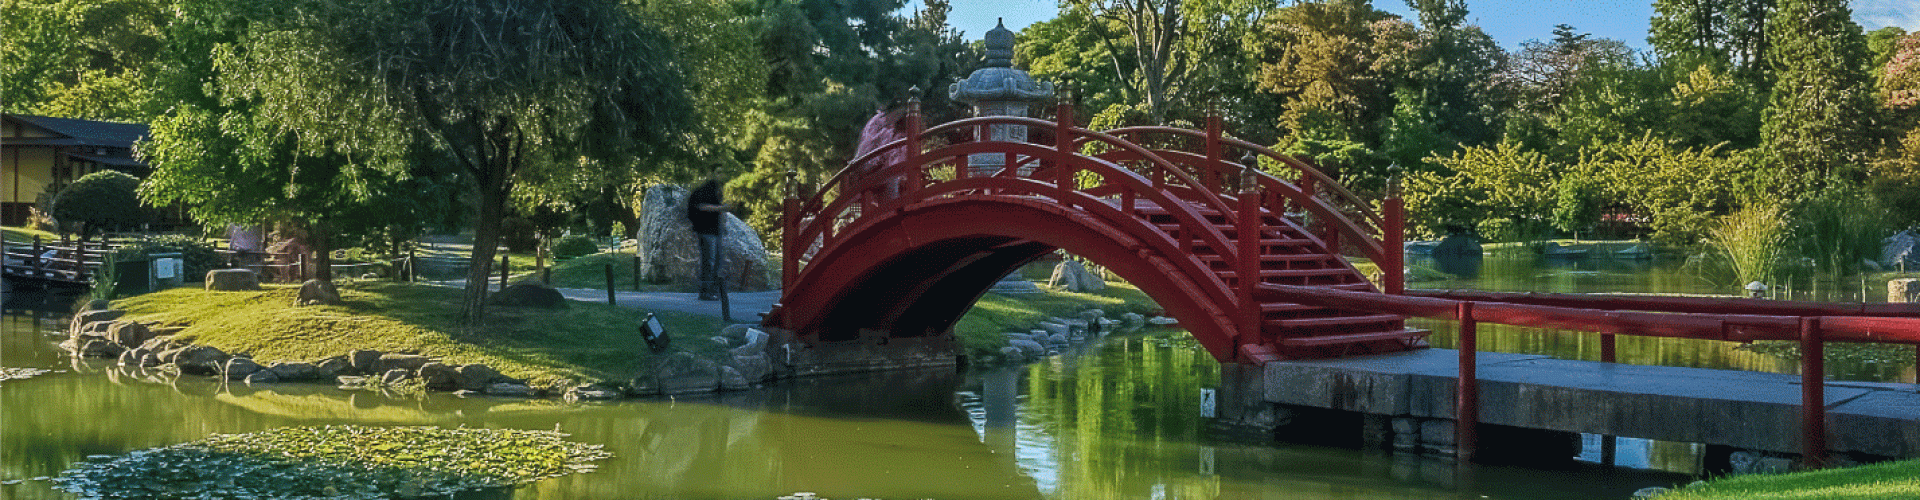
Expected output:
{"points": [[334, 462]]}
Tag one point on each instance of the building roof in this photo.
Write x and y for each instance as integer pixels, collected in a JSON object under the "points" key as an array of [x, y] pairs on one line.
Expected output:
{"points": [[85, 132]]}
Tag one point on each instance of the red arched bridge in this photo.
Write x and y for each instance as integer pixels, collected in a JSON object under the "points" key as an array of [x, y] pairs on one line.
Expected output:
{"points": [[886, 257], [902, 243]]}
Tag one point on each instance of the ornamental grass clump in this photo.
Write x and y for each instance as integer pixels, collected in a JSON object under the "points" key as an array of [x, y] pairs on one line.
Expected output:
{"points": [[334, 462], [1752, 241]]}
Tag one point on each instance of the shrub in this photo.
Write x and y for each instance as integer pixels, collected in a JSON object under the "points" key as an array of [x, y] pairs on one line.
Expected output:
{"points": [[1839, 227], [518, 235], [568, 247], [99, 200], [198, 256]]}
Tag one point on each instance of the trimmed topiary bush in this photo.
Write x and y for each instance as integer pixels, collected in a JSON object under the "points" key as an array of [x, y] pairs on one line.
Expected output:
{"points": [[97, 201]]}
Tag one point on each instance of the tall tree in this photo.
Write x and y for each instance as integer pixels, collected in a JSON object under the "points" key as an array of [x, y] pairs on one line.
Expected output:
{"points": [[1731, 34], [89, 59], [1162, 51], [501, 87], [1820, 118], [1446, 85]]}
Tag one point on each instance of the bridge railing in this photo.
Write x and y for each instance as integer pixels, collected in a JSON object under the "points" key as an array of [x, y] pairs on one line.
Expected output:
{"points": [[72, 262], [929, 163], [1812, 325]]}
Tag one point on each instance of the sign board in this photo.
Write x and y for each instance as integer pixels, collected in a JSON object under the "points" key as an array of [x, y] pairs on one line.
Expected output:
{"points": [[166, 268]]}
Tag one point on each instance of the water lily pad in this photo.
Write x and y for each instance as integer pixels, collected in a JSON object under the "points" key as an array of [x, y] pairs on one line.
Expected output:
{"points": [[334, 462]]}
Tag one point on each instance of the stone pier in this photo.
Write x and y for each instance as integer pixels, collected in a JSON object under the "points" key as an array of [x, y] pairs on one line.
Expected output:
{"points": [[1537, 406]]}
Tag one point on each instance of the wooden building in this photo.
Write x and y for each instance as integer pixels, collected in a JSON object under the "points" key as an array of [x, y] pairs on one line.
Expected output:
{"points": [[39, 155]]}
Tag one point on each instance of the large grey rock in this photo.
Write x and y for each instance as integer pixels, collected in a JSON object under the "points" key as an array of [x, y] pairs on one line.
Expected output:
{"points": [[364, 361], [1134, 320], [263, 377], [395, 376], [439, 376], [332, 367], [295, 371], [129, 333], [475, 377], [590, 392], [683, 373], [1028, 348], [200, 360], [408, 362], [317, 292], [510, 390], [755, 344], [529, 295], [1903, 290], [732, 380], [669, 252], [83, 319], [240, 368], [1073, 276], [232, 280], [753, 367], [1898, 251]]}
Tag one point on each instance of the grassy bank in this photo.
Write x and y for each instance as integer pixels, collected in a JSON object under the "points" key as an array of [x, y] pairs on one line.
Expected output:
{"points": [[1868, 482], [584, 343]]}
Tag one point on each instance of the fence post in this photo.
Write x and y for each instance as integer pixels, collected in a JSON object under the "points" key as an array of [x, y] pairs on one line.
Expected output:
{"points": [[789, 232], [610, 293], [413, 266], [1393, 239], [1813, 398], [1466, 408], [503, 271]]}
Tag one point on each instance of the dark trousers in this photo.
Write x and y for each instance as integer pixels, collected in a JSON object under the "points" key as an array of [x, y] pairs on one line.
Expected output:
{"points": [[710, 262]]}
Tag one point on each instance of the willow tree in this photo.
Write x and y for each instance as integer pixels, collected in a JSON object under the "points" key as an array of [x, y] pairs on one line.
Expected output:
{"points": [[502, 88]]}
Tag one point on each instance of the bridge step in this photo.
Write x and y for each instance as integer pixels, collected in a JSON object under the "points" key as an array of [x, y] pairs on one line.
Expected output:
{"points": [[1333, 321], [1289, 273], [1354, 338]]}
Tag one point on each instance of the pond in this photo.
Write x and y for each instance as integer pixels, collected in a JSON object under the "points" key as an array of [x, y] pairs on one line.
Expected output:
{"points": [[1118, 419]]}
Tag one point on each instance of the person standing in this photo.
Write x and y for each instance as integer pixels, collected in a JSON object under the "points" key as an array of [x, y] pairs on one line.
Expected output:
{"points": [[704, 206]]}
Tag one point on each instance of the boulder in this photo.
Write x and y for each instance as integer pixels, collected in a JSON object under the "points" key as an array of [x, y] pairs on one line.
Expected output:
{"points": [[232, 280], [364, 361], [732, 380], [97, 305], [395, 376], [1093, 316], [93, 347], [160, 344], [1013, 354], [476, 377], [643, 385], [591, 392], [408, 362], [683, 373], [1028, 348], [529, 295], [350, 381], [439, 376], [755, 345], [1897, 251], [1057, 340], [1055, 328], [753, 367], [510, 389], [129, 334], [317, 292], [199, 359], [331, 367], [295, 371], [263, 377], [669, 252], [1162, 321], [240, 368], [134, 357], [1073, 276], [81, 320]]}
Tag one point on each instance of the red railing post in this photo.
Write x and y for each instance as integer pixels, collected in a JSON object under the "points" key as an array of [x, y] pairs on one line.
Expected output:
{"points": [[1813, 399], [1063, 144], [1393, 243], [1211, 176], [1466, 408], [916, 125], [790, 234], [1248, 233]]}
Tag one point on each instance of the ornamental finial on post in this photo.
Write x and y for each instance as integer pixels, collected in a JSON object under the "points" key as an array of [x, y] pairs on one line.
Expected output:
{"points": [[1247, 165], [793, 183]]}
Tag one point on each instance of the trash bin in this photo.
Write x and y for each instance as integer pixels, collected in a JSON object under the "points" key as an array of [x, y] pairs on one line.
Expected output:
{"points": [[132, 276]]}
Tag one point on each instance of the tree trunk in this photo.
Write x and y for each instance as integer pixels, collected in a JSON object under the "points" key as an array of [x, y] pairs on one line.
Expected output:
{"points": [[486, 241], [321, 241]]}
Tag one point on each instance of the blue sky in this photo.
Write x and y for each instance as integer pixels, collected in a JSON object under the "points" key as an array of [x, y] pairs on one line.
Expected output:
{"points": [[1508, 21]]}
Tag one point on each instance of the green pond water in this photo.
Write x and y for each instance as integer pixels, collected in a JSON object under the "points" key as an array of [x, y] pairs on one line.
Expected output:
{"points": [[1116, 419]]}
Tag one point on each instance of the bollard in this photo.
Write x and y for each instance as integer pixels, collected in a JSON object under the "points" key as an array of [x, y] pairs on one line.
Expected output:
{"points": [[636, 268], [504, 269], [610, 291]]}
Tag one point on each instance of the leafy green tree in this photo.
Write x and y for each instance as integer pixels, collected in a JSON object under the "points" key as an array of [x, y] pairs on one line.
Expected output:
{"points": [[501, 87], [1729, 34], [90, 59], [1820, 117], [98, 201], [1320, 58], [1448, 97], [1544, 74]]}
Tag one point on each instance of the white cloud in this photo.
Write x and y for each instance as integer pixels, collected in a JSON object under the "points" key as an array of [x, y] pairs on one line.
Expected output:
{"points": [[1876, 14]]}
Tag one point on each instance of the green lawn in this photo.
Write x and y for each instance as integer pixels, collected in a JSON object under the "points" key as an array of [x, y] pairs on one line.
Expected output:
{"points": [[584, 343], [1889, 480]]}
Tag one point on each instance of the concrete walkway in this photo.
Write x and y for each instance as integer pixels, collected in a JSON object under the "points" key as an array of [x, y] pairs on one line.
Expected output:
{"points": [[1743, 409]]}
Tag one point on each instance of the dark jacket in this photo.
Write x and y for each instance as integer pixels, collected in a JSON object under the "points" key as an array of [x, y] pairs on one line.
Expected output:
{"points": [[704, 222]]}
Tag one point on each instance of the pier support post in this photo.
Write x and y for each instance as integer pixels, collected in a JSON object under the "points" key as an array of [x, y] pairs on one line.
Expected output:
{"points": [[1813, 399], [1467, 387]]}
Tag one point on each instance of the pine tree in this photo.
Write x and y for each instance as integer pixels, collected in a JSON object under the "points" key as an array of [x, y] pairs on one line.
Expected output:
{"points": [[1821, 119]]}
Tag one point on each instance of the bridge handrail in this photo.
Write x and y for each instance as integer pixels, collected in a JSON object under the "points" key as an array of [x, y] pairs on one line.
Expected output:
{"points": [[810, 212], [1702, 326]]}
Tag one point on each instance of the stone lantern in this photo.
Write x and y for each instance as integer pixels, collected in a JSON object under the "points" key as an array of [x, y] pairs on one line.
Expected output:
{"points": [[999, 90]]}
